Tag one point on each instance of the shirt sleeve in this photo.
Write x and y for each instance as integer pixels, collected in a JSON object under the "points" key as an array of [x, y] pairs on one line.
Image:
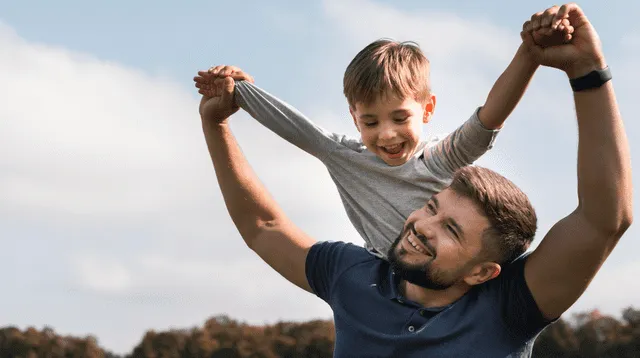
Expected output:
{"points": [[326, 261], [460, 148], [520, 311], [285, 120]]}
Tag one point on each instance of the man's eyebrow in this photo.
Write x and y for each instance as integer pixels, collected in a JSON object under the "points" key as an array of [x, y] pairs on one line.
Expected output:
{"points": [[368, 116]]}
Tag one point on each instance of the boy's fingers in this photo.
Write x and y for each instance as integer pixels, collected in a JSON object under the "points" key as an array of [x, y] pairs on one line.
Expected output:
{"points": [[548, 15], [535, 20], [214, 70]]}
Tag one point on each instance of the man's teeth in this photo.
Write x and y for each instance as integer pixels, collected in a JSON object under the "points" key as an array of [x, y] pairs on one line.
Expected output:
{"points": [[415, 246]]}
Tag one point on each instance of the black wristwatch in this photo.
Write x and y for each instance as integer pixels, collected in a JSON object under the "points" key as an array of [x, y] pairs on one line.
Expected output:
{"points": [[593, 79]]}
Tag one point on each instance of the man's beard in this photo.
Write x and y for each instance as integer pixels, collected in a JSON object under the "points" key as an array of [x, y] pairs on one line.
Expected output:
{"points": [[422, 274]]}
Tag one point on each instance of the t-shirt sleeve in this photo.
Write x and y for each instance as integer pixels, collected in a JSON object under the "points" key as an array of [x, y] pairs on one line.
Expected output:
{"points": [[285, 120], [520, 311], [326, 261], [460, 148]]}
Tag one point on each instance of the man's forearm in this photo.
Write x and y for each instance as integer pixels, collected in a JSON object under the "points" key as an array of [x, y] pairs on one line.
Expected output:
{"points": [[249, 204], [604, 168], [508, 90]]}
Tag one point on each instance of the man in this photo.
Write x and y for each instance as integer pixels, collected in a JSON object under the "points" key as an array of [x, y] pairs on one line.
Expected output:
{"points": [[452, 287]]}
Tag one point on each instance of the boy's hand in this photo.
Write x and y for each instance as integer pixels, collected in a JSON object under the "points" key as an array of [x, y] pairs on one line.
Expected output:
{"points": [[548, 31], [205, 79], [217, 88]]}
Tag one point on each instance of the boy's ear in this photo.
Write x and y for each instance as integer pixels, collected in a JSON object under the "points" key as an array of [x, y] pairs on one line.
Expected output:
{"points": [[353, 115], [429, 108]]}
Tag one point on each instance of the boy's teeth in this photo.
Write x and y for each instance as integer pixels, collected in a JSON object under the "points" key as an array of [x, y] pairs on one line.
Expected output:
{"points": [[394, 148]]}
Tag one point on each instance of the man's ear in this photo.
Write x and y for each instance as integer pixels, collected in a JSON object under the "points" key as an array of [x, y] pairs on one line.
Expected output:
{"points": [[353, 115], [429, 108], [482, 273]]}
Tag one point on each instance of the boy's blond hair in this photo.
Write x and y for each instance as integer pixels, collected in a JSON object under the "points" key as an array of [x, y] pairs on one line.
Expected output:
{"points": [[387, 65]]}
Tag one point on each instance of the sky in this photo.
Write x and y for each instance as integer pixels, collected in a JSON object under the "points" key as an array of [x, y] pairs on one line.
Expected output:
{"points": [[111, 220]]}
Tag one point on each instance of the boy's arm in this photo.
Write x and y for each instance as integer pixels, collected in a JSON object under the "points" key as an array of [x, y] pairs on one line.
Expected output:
{"points": [[471, 140], [512, 83], [508, 90], [281, 118]]}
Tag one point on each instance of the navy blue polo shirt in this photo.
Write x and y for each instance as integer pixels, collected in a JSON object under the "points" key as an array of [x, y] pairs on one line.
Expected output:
{"points": [[496, 319]]}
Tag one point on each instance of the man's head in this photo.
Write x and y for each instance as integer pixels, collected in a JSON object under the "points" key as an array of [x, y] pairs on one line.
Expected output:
{"points": [[387, 87], [466, 232]]}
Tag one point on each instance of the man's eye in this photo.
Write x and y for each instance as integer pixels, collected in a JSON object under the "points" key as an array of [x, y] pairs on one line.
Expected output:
{"points": [[370, 124], [401, 120]]}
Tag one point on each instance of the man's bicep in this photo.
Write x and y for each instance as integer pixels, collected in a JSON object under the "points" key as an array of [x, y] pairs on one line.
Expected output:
{"points": [[285, 247], [565, 262]]}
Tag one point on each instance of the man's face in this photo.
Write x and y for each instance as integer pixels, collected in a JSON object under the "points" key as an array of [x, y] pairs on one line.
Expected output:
{"points": [[441, 242], [390, 127]]}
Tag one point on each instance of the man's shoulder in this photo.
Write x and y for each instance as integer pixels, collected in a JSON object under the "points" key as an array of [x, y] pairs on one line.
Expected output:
{"points": [[328, 261], [343, 251]]}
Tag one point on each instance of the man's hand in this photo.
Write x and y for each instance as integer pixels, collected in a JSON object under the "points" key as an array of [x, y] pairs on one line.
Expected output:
{"points": [[216, 86], [582, 52]]}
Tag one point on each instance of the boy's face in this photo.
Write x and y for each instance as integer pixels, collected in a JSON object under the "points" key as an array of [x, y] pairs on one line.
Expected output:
{"points": [[390, 127]]}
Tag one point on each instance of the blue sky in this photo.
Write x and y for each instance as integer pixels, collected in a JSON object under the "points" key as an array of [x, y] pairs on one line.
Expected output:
{"points": [[111, 221]]}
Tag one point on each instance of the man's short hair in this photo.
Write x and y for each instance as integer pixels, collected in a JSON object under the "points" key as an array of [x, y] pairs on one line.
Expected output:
{"points": [[387, 67], [512, 218]]}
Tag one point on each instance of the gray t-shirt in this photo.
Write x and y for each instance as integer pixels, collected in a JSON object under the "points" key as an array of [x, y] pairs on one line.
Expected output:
{"points": [[377, 197]]}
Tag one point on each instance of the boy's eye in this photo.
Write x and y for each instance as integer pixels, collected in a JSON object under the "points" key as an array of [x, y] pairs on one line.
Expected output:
{"points": [[370, 124], [400, 120]]}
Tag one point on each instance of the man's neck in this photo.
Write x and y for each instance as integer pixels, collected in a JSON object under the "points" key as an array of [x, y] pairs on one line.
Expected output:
{"points": [[433, 298]]}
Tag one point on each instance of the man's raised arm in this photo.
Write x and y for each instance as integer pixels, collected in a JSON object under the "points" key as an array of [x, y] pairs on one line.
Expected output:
{"points": [[570, 255], [259, 219]]}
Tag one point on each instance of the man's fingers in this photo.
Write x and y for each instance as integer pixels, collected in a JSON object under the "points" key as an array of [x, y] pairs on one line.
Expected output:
{"points": [[566, 9], [566, 27], [227, 85], [202, 79]]}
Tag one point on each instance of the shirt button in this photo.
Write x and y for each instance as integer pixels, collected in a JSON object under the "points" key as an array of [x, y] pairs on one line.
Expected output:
{"points": [[421, 313], [411, 329]]}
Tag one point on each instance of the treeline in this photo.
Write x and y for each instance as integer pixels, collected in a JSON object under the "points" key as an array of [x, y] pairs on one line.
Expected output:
{"points": [[585, 335]]}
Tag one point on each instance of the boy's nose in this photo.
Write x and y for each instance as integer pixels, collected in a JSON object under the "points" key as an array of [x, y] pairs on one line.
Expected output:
{"points": [[387, 133]]}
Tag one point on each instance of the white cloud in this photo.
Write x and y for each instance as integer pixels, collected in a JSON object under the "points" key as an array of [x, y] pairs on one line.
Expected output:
{"points": [[102, 275]]}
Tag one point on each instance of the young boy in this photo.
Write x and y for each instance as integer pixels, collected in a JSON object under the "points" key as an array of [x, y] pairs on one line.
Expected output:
{"points": [[389, 172]]}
